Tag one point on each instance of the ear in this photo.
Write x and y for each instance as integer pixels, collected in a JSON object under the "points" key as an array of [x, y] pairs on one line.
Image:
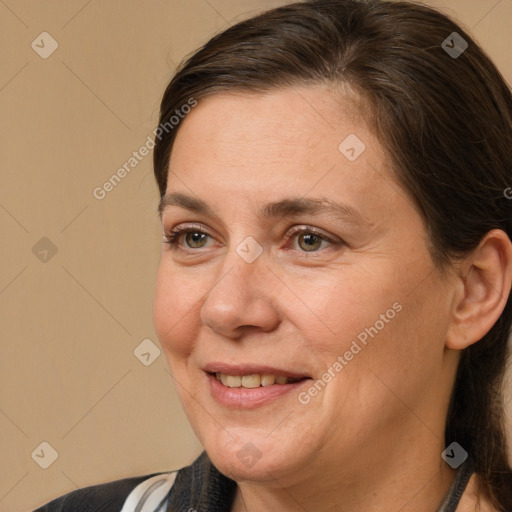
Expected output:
{"points": [[485, 280]]}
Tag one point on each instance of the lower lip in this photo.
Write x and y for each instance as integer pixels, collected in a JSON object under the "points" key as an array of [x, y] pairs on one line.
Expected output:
{"points": [[250, 398]]}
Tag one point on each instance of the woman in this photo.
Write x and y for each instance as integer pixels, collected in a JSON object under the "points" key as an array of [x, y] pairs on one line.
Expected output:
{"points": [[333, 291]]}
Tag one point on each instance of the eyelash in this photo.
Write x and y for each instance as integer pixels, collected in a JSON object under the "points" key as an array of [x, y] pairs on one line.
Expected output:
{"points": [[171, 238]]}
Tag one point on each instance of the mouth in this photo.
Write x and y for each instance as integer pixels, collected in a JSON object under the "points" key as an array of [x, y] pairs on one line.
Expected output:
{"points": [[252, 375], [251, 386], [254, 380]]}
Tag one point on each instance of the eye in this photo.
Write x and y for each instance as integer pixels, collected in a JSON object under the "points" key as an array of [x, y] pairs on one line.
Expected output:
{"points": [[194, 237], [190, 237], [308, 239]]}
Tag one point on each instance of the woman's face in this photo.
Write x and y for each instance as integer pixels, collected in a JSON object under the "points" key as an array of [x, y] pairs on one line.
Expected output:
{"points": [[304, 259]]}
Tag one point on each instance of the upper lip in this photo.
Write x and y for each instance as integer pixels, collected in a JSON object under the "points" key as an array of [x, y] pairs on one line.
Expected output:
{"points": [[251, 369]]}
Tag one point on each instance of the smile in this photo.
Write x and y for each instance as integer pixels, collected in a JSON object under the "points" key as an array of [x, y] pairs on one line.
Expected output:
{"points": [[254, 380]]}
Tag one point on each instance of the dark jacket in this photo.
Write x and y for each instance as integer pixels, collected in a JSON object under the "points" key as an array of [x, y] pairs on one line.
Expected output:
{"points": [[199, 487]]}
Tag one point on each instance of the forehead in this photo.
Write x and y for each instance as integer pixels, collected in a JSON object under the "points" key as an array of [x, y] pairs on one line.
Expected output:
{"points": [[289, 134], [292, 114], [241, 149]]}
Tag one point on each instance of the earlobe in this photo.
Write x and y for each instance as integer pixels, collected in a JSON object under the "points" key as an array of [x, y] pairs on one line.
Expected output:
{"points": [[485, 282]]}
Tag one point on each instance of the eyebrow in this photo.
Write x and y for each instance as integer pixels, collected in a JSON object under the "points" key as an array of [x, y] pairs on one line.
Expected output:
{"points": [[287, 207]]}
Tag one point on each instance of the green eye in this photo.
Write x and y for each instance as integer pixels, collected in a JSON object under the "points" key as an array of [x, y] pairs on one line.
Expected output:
{"points": [[309, 242], [195, 239], [307, 239], [190, 237]]}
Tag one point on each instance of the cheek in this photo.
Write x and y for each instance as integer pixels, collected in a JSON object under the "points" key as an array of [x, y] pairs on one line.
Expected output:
{"points": [[375, 317], [344, 307], [175, 311], [406, 355]]}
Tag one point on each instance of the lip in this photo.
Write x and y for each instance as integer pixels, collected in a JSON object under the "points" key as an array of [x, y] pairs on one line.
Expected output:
{"points": [[250, 398], [250, 369]]}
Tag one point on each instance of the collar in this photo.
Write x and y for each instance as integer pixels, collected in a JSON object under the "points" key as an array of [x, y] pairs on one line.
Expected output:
{"points": [[457, 489], [201, 487]]}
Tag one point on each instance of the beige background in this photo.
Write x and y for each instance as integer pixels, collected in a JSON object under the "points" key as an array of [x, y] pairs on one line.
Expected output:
{"points": [[70, 324]]}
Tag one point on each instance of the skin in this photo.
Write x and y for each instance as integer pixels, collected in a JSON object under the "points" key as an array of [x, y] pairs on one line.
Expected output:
{"points": [[371, 440]]}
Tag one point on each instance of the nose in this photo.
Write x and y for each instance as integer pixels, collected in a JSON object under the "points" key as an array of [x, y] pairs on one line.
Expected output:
{"points": [[242, 299]]}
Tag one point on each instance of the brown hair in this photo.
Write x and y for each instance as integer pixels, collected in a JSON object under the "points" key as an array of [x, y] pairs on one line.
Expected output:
{"points": [[445, 122]]}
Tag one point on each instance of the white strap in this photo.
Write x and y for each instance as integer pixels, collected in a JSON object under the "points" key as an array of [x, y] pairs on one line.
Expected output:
{"points": [[149, 495]]}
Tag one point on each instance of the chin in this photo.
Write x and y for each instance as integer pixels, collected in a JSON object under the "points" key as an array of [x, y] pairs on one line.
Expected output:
{"points": [[259, 460], [262, 471]]}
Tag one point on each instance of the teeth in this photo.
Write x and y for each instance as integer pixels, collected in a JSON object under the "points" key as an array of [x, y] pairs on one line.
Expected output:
{"points": [[232, 381], [267, 380], [252, 381]]}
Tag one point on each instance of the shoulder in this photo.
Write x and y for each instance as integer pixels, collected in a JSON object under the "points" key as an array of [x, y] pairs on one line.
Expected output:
{"points": [[120, 495]]}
